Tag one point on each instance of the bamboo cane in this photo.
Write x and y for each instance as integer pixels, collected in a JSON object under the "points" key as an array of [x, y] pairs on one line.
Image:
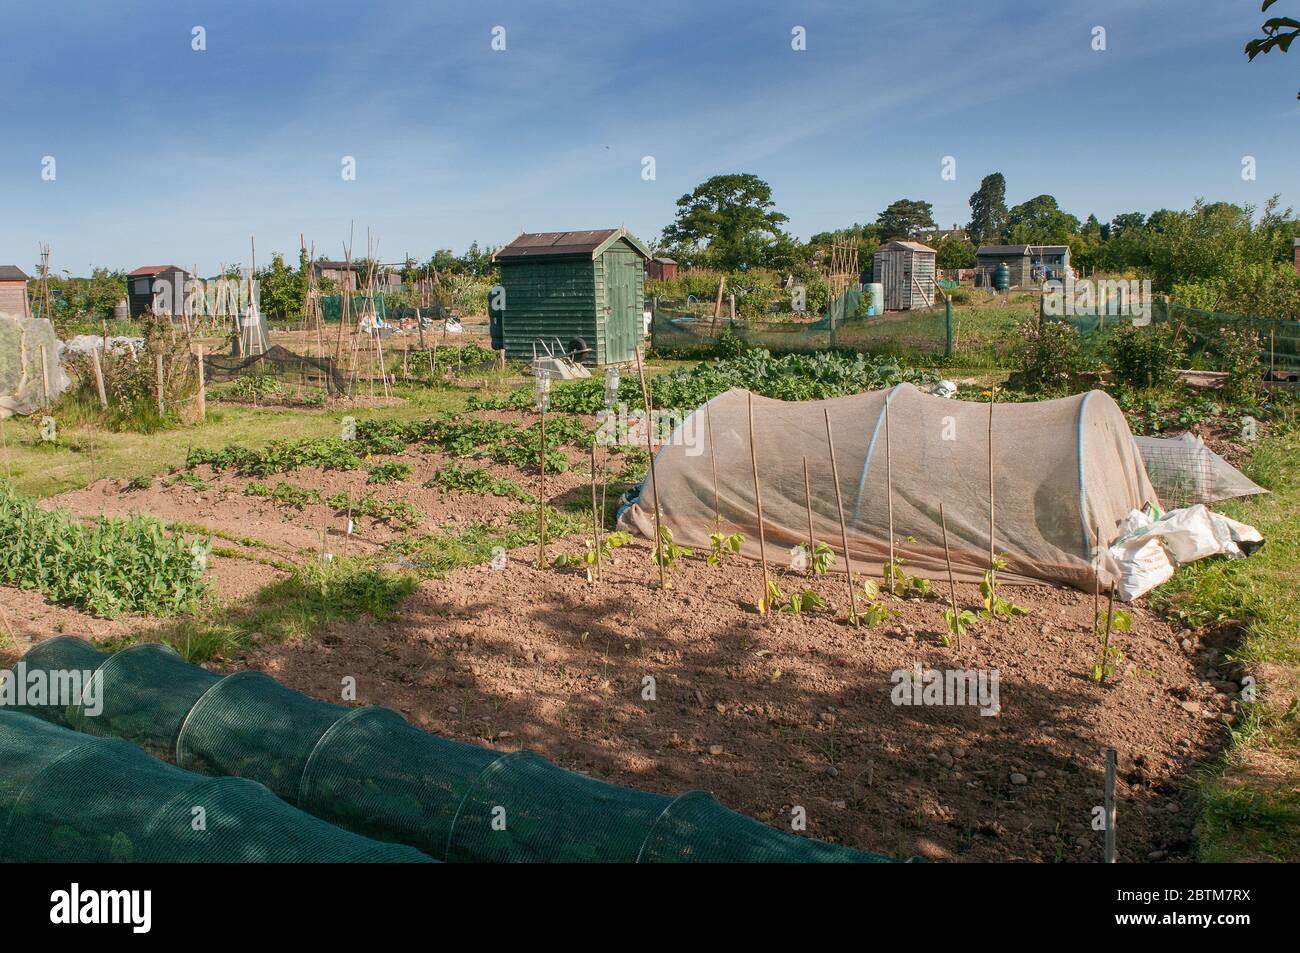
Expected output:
{"points": [[758, 502], [889, 497], [952, 584], [713, 462], [203, 387], [541, 494], [595, 513], [839, 506], [807, 496], [654, 484], [98, 368]]}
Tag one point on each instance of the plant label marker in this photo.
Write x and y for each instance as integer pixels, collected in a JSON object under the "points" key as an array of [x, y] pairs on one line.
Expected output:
{"points": [[839, 507], [1108, 851], [654, 484]]}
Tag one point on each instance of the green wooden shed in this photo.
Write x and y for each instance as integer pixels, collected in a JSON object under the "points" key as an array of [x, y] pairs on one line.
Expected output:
{"points": [[584, 290]]}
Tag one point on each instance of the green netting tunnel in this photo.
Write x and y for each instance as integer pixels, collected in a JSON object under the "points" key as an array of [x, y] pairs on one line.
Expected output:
{"points": [[70, 797], [367, 770]]}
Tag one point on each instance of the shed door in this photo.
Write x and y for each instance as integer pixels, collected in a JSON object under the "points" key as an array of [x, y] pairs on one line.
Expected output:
{"points": [[624, 312]]}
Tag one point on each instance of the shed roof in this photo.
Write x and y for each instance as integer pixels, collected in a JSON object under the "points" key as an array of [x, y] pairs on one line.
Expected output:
{"points": [[12, 273], [1022, 249], [588, 244], [148, 271], [910, 246]]}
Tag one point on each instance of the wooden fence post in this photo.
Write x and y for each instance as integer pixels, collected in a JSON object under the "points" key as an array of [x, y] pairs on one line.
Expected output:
{"points": [[99, 378], [203, 388]]}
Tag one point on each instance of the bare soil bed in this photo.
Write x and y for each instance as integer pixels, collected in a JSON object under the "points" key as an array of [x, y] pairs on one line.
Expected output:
{"points": [[775, 712]]}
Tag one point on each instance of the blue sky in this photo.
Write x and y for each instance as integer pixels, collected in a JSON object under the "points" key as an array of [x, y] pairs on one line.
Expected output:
{"points": [[165, 154]]}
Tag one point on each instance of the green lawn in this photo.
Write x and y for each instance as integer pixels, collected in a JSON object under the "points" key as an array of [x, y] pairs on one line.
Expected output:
{"points": [[40, 469]]}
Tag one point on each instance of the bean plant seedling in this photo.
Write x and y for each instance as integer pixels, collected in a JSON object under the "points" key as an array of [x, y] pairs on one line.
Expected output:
{"points": [[1110, 658], [873, 610], [819, 560], [957, 622], [668, 552], [994, 604], [722, 545], [587, 559]]}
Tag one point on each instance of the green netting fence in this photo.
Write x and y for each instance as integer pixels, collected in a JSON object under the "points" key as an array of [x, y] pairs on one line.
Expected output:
{"points": [[1279, 340], [689, 328], [331, 306], [70, 797], [367, 770]]}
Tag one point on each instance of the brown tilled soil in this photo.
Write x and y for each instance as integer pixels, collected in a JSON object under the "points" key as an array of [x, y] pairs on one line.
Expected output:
{"points": [[775, 712]]}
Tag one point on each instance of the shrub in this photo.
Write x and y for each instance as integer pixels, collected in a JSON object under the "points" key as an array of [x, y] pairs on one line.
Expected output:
{"points": [[1237, 348], [1145, 357], [1048, 354]]}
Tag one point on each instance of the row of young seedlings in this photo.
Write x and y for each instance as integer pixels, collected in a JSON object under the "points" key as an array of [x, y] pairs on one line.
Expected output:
{"points": [[957, 620]]}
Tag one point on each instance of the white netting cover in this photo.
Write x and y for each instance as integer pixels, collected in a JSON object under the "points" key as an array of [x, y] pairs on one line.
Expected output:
{"points": [[21, 384], [1062, 469]]}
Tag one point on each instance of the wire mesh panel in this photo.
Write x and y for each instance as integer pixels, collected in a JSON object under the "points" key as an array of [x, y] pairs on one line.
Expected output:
{"points": [[374, 774], [697, 829], [74, 798], [523, 809], [251, 726]]}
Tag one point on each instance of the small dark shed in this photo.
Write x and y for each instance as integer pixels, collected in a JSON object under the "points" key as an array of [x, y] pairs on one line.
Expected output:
{"points": [[1029, 264], [661, 269], [585, 290], [157, 289]]}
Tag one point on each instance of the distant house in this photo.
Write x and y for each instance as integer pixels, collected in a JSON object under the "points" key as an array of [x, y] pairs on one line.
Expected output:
{"points": [[157, 289], [906, 269], [937, 235], [13, 291], [582, 290], [660, 269], [1029, 264], [340, 272]]}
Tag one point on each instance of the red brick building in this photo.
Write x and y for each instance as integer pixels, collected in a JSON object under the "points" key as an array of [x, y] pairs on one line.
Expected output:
{"points": [[13, 291]]}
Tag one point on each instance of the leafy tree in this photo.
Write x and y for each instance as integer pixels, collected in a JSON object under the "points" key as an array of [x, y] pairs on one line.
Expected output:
{"points": [[1126, 221], [988, 211], [1279, 33], [954, 252], [1040, 221], [280, 290], [905, 219], [734, 217]]}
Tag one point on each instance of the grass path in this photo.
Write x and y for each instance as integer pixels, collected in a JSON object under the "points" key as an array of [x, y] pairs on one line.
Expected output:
{"points": [[1251, 798]]}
